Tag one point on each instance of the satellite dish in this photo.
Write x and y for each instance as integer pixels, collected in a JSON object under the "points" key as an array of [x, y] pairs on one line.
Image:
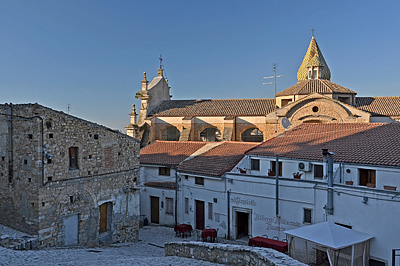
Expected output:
{"points": [[285, 122]]}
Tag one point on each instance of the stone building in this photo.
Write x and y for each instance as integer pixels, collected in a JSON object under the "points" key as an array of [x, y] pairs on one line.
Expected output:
{"points": [[314, 99], [67, 180]]}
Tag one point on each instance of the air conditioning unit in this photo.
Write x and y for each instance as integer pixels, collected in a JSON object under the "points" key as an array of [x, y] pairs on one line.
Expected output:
{"points": [[304, 166]]}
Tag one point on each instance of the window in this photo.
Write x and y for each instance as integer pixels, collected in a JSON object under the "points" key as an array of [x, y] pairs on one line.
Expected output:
{"points": [[186, 205], [210, 134], [255, 164], [210, 211], [170, 134], [252, 135], [344, 100], [307, 216], [170, 206], [273, 167], [318, 171], [285, 102], [315, 73], [164, 171], [367, 177], [199, 181], [73, 158]]}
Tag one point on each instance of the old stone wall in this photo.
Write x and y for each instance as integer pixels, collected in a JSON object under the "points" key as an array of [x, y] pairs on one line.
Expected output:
{"points": [[41, 188], [229, 254]]}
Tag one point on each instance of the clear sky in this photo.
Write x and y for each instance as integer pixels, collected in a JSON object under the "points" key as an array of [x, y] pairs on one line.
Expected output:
{"points": [[92, 54]]}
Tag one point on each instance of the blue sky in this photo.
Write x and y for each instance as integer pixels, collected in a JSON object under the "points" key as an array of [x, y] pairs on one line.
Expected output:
{"points": [[92, 54]]}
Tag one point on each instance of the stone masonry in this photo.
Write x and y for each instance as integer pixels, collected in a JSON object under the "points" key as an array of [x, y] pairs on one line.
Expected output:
{"points": [[59, 172], [229, 254]]}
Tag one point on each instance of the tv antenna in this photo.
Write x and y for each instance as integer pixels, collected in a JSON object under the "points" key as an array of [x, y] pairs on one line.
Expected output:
{"points": [[274, 82]]}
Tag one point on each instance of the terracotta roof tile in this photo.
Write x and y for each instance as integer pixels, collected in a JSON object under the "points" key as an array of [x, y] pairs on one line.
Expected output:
{"points": [[309, 86], [218, 160], [169, 153], [387, 106], [223, 107], [369, 143]]}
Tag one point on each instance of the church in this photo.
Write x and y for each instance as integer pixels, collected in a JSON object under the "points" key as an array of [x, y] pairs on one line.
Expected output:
{"points": [[314, 99]]}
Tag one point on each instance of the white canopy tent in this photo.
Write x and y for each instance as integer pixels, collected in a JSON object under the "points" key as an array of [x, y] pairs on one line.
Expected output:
{"points": [[329, 242]]}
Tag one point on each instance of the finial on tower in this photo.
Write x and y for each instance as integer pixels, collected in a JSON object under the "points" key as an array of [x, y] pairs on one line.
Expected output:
{"points": [[160, 70], [312, 32], [144, 82]]}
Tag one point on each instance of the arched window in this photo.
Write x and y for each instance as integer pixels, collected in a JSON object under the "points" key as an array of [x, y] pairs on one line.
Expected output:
{"points": [[252, 135], [210, 134], [170, 134]]}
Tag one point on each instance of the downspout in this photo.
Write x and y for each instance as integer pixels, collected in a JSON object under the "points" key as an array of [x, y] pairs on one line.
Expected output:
{"points": [[329, 207], [325, 159], [228, 192], [277, 185], [176, 196]]}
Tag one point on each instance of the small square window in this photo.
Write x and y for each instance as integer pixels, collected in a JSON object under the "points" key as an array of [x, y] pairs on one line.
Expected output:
{"points": [[50, 135], [30, 136], [307, 216], [49, 178], [49, 161], [165, 171], [199, 181], [186, 177], [255, 164], [96, 136], [90, 156]]}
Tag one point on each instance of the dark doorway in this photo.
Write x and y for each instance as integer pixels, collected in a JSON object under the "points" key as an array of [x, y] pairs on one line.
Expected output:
{"points": [[155, 210], [199, 214], [242, 224]]}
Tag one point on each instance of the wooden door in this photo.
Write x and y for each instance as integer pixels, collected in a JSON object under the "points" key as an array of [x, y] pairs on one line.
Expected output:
{"points": [[103, 218], [199, 214], [155, 210]]}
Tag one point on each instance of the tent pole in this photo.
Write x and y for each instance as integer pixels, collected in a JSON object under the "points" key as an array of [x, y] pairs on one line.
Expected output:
{"points": [[329, 257]]}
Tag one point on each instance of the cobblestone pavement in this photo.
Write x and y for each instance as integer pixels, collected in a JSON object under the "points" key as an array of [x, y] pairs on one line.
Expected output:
{"points": [[148, 251]]}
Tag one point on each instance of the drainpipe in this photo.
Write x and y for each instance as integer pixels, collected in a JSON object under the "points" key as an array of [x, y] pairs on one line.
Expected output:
{"points": [[228, 192], [176, 196], [277, 185], [325, 160], [329, 207]]}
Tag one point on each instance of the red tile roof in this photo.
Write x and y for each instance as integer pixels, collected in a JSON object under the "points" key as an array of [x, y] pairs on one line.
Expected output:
{"points": [[218, 160], [223, 107], [387, 106], [310, 86], [169, 153], [369, 143]]}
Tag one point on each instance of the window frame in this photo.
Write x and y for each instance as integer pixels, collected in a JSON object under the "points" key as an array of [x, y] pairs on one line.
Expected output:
{"points": [[73, 158], [169, 135], [164, 171], [366, 176], [186, 205], [199, 181], [247, 137], [280, 166], [169, 206], [306, 221], [254, 164], [315, 171]]}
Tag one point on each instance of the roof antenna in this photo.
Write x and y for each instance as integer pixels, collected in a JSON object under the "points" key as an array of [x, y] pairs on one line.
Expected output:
{"points": [[312, 30], [274, 82]]}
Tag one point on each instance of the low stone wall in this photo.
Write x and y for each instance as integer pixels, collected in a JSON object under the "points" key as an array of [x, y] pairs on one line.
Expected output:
{"points": [[229, 254]]}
